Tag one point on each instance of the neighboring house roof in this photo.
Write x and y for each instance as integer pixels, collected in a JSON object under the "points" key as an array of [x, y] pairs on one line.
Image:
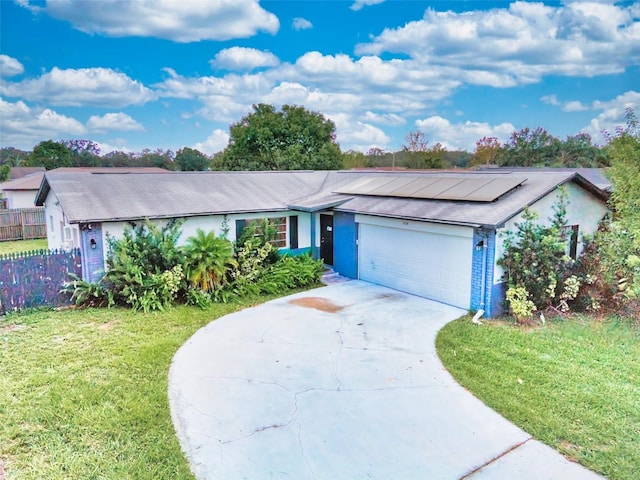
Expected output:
{"points": [[19, 172], [89, 197], [112, 169], [29, 182]]}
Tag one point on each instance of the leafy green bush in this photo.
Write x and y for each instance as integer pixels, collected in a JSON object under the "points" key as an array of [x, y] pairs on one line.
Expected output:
{"points": [[146, 270], [207, 259], [534, 255], [88, 294], [612, 259], [144, 266], [519, 303]]}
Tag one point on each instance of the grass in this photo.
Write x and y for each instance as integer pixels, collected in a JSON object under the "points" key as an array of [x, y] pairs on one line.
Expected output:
{"points": [[83, 393], [23, 246], [572, 384]]}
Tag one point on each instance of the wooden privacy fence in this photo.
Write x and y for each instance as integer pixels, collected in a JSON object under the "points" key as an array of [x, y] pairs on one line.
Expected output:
{"points": [[22, 224], [34, 279]]}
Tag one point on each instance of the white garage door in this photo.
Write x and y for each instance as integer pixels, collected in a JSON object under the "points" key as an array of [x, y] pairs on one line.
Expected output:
{"points": [[432, 265]]}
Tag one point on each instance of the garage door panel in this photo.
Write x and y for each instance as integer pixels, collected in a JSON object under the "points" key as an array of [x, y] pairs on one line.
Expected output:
{"points": [[431, 265]]}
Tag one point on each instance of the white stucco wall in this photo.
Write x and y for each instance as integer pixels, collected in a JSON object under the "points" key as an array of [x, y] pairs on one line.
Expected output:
{"points": [[583, 209], [214, 222], [55, 222], [20, 198]]}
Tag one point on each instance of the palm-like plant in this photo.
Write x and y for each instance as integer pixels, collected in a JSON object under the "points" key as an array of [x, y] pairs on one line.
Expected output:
{"points": [[206, 260]]}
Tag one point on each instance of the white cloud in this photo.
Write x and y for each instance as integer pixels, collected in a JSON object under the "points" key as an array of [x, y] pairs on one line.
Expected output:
{"points": [[359, 4], [177, 20], [301, 24], [571, 106], [464, 135], [612, 114], [81, 87], [113, 121], [214, 143], [355, 135], [521, 44], [9, 66], [550, 100], [242, 58], [574, 106], [384, 118], [23, 127]]}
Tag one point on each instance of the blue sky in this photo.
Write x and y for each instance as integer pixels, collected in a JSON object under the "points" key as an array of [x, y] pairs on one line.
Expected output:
{"points": [[166, 74]]}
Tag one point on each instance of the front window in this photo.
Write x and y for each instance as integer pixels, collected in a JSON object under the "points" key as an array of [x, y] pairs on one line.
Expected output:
{"points": [[277, 229]]}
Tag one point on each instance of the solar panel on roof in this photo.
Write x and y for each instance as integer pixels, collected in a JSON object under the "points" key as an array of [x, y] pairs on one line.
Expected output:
{"points": [[474, 189], [412, 185], [494, 189], [464, 189], [436, 188]]}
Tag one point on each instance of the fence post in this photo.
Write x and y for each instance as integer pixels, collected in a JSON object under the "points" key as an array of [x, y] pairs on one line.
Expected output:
{"points": [[23, 223]]}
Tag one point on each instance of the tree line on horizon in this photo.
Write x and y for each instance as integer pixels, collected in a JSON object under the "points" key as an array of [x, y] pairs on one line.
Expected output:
{"points": [[294, 138]]}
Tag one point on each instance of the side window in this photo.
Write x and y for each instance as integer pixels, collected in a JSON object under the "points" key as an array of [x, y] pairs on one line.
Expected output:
{"points": [[570, 237]]}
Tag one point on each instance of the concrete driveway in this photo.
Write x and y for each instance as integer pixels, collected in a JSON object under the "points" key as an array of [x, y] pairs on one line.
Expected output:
{"points": [[341, 382]]}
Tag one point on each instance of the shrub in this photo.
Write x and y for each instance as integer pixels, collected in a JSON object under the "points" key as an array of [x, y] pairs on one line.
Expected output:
{"points": [[143, 267], [534, 255], [521, 307], [86, 294], [207, 259]]}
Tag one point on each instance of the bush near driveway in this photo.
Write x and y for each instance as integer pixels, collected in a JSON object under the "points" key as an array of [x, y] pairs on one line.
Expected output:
{"points": [[572, 384]]}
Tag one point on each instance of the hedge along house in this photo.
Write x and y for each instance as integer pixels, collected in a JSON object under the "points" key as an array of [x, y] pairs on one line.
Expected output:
{"points": [[435, 235]]}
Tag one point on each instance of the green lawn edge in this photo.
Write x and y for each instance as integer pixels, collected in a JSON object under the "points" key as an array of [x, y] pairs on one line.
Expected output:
{"points": [[83, 393], [573, 384]]}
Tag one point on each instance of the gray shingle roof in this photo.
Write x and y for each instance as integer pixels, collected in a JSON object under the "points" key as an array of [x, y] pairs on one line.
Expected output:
{"points": [[87, 197]]}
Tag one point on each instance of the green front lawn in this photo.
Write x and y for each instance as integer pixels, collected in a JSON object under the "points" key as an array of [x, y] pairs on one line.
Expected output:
{"points": [[573, 384], [83, 393]]}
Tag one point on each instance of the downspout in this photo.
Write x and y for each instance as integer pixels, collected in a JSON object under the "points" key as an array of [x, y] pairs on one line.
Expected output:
{"points": [[483, 276]]}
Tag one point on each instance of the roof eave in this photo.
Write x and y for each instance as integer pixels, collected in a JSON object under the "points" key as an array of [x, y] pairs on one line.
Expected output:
{"points": [[169, 216]]}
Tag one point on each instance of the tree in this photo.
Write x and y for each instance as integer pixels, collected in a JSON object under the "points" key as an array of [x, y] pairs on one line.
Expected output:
{"points": [[50, 155], [191, 160], [534, 255], [4, 172], [418, 155], [84, 153], [291, 139], [12, 156], [487, 150], [353, 159], [614, 260], [528, 147], [578, 151], [157, 158]]}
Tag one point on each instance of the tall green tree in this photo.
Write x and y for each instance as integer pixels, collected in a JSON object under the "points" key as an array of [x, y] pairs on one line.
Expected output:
{"points": [[486, 152], [191, 160], [290, 139], [418, 154], [526, 148], [353, 159], [84, 153], [50, 155], [578, 151]]}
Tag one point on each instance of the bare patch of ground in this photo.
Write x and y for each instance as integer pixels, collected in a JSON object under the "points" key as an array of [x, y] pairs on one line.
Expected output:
{"points": [[11, 328], [319, 303]]}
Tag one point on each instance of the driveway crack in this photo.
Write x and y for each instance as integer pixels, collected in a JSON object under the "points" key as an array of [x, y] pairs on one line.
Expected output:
{"points": [[469, 475]]}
